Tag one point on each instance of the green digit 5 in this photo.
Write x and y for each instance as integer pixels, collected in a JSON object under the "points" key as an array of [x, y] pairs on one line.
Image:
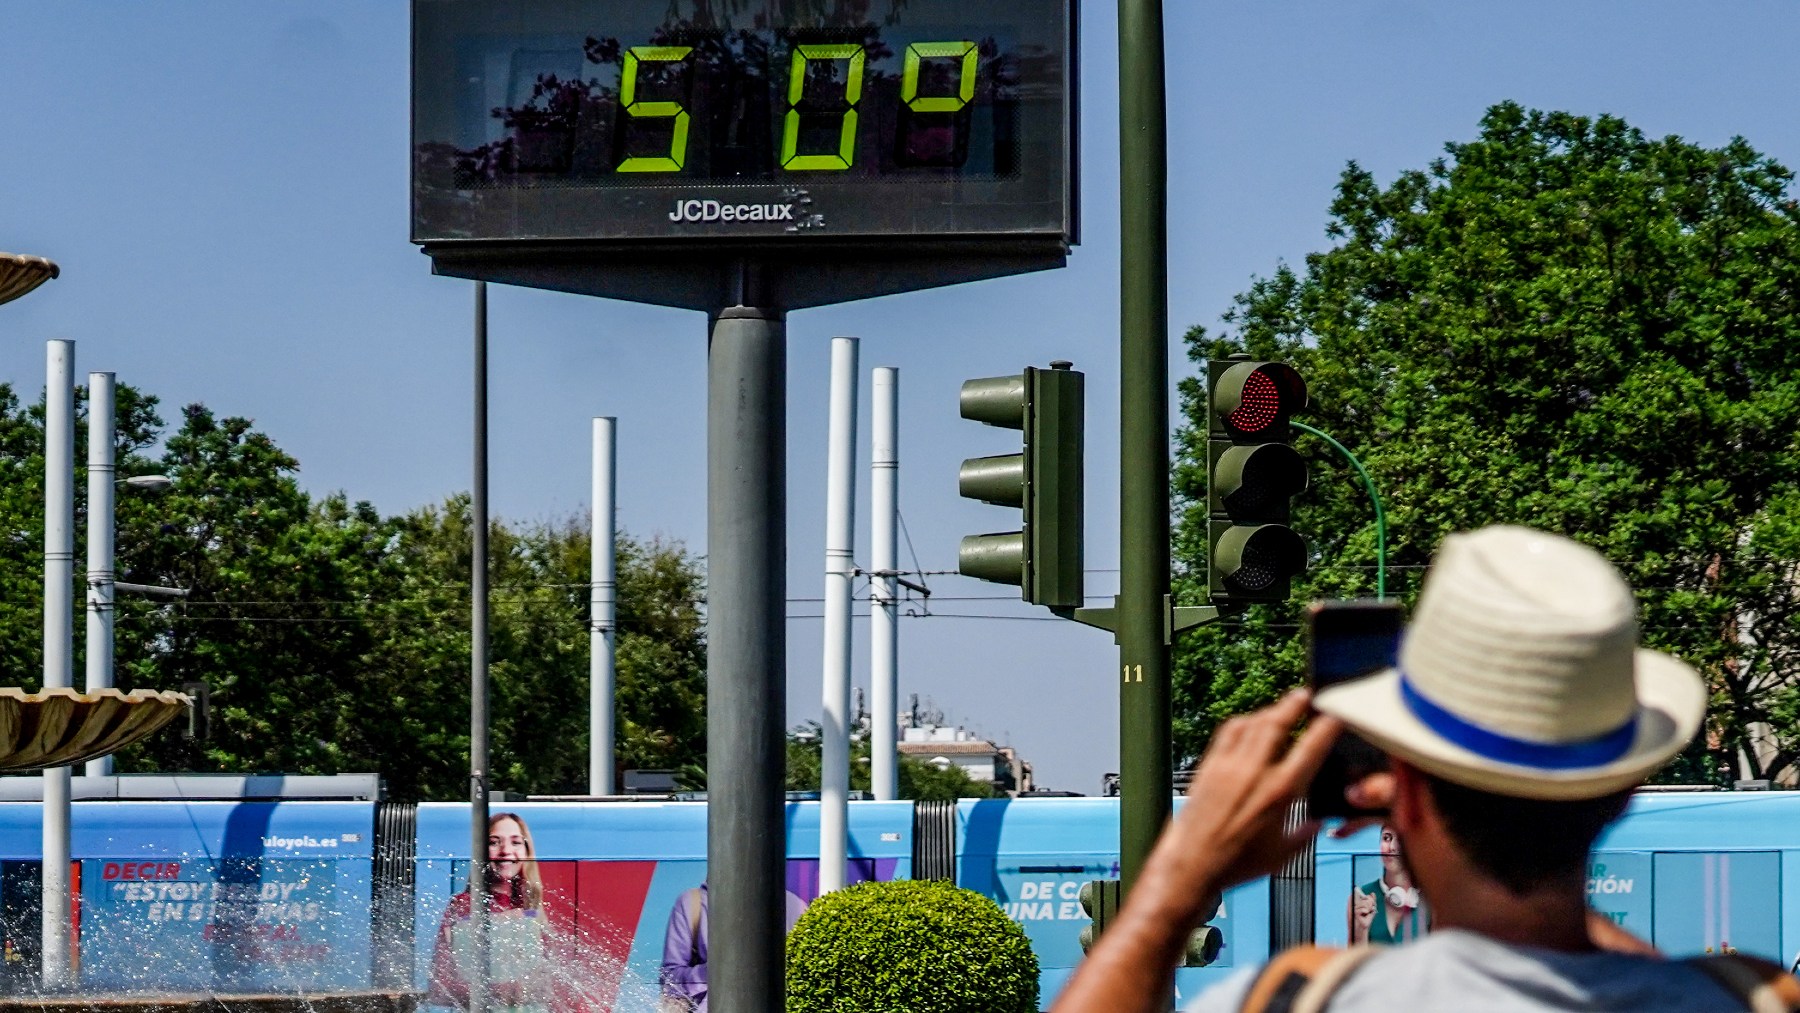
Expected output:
{"points": [[965, 85], [628, 86], [790, 133]]}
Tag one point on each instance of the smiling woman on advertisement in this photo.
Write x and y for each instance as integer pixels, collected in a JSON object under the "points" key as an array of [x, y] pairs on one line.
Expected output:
{"points": [[518, 971]]}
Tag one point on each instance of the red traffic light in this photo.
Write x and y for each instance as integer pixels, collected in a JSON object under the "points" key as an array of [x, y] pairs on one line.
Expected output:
{"points": [[1259, 407], [1255, 397]]}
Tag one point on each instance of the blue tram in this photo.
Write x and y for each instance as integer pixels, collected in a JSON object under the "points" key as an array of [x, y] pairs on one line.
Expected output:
{"points": [[263, 893]]}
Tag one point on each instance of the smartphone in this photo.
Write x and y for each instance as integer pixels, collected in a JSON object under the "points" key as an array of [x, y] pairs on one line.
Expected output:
{"points": [[1347, 640]]}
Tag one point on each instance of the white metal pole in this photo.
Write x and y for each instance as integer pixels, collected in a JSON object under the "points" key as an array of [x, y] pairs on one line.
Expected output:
{"points": [[603, 606], [884, 552], [100, 544], [59, 634], [840, 535], [479, 606]]}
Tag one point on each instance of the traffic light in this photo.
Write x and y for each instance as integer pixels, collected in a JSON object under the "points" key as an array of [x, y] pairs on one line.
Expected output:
{"points": [[1252, 472], [1043, 481], [1203, 946], [1100, 901]]}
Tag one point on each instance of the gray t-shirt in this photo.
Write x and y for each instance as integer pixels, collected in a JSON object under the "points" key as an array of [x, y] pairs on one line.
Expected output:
{"points": [[1456, 970]]}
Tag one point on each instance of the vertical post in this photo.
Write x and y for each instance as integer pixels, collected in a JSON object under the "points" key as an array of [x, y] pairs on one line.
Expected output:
{"points": [[840, 566], [100, 540], [59, 634], [478, 664], [746, 658], [884, 606], [1145, 760], [603, 608]]}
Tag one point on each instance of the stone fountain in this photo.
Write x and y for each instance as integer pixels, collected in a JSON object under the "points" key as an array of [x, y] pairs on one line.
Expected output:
{"points": [[20, 274], [64, 727]]}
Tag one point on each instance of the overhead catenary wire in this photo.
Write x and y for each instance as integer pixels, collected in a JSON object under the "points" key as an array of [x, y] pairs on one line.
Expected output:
{"points": [[338, 610]]}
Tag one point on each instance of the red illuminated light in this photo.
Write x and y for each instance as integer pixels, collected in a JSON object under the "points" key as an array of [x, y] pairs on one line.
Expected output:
{"points": [[1259, 406]]}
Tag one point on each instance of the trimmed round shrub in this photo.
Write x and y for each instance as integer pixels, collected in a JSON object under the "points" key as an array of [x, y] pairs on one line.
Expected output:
{"points": [[909, 947]]}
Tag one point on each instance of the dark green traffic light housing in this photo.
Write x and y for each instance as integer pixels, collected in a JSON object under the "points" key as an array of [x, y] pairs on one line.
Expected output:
{"points": [[1253, 472], [1101, 900], [1044, 481]]}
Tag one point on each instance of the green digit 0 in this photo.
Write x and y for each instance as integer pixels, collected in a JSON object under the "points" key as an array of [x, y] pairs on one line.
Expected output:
{"points": [[965, 85], [634, 57], [790, 133]]}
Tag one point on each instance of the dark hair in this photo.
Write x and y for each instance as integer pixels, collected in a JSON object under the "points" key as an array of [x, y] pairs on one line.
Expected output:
{"points": [[1523, 843]]}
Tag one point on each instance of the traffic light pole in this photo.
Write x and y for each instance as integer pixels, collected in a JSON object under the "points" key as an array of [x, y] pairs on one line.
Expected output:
{"points": [[1374, 500], [746, 661], [1142, 619]]}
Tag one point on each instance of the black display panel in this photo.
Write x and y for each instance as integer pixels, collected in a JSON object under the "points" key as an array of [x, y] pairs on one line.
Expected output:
{"points": [[775, 122]]}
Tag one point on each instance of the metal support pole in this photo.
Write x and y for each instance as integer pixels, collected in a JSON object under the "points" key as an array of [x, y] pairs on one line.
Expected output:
{"points": [[59, 642], [603, 608], [884, 606], [840, 567], [100, 539], [1145, 754], [1374, 500], [478, 664], [746, 664]]}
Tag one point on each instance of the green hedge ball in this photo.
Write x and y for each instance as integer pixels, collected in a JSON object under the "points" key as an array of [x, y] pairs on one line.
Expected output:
{"points": [[909, 947]]}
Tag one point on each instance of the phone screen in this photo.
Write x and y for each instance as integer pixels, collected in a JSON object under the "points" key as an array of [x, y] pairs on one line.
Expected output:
{"points": [[1348, 640], [1352, 654]]}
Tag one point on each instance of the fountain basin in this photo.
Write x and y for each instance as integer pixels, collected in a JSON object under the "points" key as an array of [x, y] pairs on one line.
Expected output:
{"points": [[331, 1002], [64, 727]]}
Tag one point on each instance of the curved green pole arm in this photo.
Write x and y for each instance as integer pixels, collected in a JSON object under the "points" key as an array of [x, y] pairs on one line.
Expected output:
{"points": [[1374, 497]]}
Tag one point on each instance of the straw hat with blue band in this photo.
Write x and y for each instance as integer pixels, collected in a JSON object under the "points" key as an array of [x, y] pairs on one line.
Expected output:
{"points": [[1520, 674]]}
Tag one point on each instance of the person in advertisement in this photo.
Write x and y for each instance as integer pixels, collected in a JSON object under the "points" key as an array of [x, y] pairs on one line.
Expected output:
{"points": [[519, 976], [1388, 909], [684, 949], [1517, 722]]}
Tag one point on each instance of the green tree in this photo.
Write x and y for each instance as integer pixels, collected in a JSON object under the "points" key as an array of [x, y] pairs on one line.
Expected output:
{"points": [[22, 515], [414, 678], [541, 643], [1561, 323], [335, 639], [275, 622]]}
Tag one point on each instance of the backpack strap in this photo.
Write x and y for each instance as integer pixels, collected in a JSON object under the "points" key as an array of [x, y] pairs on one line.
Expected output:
{"points": [[1762, 986], [1303, 979]]}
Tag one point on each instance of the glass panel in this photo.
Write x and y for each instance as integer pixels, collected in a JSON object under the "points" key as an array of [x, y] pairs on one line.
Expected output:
{"points": [[1711, 902], [1618, 886], [543, 120]]}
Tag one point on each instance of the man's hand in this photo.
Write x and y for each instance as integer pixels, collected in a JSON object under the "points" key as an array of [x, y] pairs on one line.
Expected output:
{"points": [[1229, 831]]}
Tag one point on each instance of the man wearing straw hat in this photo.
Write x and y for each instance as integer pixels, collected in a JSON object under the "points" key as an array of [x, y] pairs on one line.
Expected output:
{"points": [[1518, 721]]}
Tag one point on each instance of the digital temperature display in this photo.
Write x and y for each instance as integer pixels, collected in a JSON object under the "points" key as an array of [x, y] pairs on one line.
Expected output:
{"points": [[771, 121]]}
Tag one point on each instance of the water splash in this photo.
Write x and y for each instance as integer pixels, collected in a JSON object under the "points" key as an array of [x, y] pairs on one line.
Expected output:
{"points": [[283, 936]]}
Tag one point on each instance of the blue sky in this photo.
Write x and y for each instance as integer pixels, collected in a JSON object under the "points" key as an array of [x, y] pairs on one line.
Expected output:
{"points": [[225, 187]]}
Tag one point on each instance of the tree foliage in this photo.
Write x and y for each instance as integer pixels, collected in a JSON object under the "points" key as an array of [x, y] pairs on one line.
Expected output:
{"points": [[1560, 323], [335, 639]]}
